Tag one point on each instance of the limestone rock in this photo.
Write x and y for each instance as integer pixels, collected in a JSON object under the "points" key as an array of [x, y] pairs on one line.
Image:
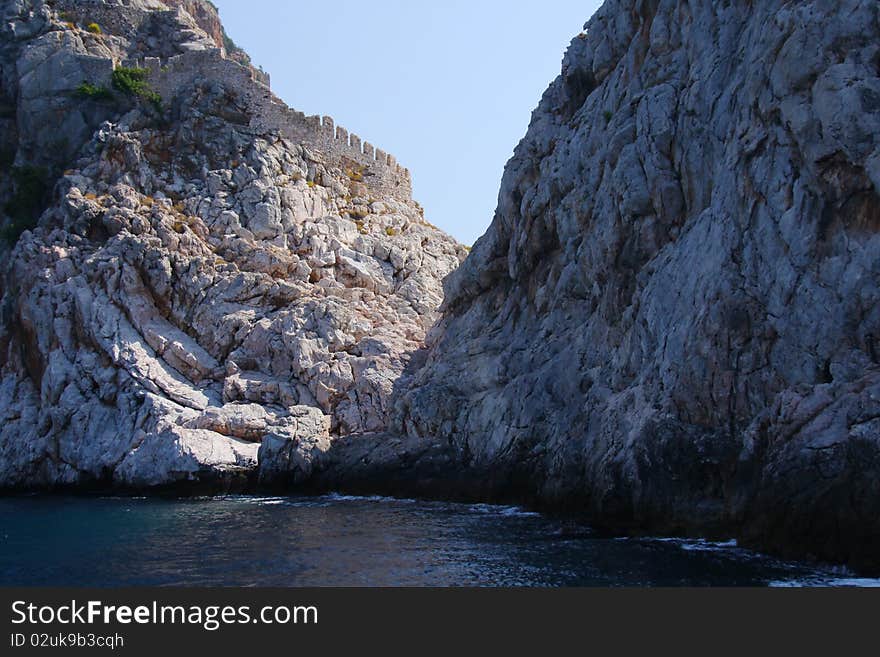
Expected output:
{"points": [[672, 322], [205, 277], [290, 456]]}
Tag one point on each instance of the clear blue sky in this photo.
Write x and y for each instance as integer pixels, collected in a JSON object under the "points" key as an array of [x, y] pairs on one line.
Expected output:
{"points": [[447, 87]]}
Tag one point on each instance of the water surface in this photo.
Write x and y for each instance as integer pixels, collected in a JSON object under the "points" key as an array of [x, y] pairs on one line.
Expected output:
{"points": [[337, 540]]}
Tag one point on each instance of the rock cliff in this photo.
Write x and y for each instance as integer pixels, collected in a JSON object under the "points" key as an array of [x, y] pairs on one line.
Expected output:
{"points": [[190, 269], [673, 322]]}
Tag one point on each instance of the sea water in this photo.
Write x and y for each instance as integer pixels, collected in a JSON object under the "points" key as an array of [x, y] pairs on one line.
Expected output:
{"points": [[338, 540]]}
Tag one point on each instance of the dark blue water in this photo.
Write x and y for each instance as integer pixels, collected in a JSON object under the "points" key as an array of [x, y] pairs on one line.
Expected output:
{"points": [[340, 541]]}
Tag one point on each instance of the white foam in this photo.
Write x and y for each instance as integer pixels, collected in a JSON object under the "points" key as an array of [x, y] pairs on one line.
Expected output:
{"points": [[509, 511], [250, 499], [830, 582], [339, 497], [700, 545], [692, 544]]}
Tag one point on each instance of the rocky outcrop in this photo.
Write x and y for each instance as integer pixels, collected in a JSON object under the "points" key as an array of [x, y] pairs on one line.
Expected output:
{"points": [[203, 287], [670, 326], [672, 323], [205, 15], [207, 18]]}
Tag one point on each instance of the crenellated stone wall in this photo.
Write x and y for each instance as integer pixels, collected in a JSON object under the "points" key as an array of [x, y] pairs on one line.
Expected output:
{"points": [[335, 145]]}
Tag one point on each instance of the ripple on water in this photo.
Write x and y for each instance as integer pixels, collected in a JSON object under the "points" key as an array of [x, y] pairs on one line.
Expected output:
{"points": [[339, 540]]}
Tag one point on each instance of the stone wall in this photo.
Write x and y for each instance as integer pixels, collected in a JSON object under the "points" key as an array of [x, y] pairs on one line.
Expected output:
{"points": [[335, 145]]}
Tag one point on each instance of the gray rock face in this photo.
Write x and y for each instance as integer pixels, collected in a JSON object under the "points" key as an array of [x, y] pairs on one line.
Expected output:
{"points": [[671, 325], [673, 321], [200, 290]]}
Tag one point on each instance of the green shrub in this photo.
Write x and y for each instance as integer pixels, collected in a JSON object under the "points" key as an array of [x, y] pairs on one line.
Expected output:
{"points": [[93, 92], [230, 45], [133, 82], [390, 232], [94, 28], [31, 186]]}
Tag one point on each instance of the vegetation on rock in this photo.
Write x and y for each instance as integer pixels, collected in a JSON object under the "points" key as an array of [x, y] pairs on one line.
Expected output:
{"points": [[93, 92], [133, 82]]}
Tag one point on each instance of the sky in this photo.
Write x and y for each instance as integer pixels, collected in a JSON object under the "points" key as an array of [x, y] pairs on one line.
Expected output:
{"points": [[447, 87]]}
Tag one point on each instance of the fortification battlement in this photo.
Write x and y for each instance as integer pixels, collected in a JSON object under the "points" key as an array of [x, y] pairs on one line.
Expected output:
{"points": [[334, 145]]}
